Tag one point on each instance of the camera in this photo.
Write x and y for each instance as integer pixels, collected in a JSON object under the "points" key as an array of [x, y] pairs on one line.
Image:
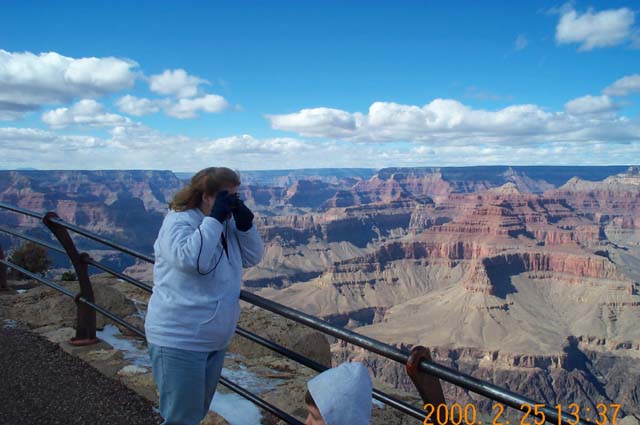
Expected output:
{"points": [[234, 201]]}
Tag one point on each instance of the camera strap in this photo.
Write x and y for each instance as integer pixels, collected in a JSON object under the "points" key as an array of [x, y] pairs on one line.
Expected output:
{"points": [[224, 244]]}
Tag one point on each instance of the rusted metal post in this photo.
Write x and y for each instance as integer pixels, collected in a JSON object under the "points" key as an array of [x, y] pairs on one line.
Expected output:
{"points": [[3, 273], [86, 328]]}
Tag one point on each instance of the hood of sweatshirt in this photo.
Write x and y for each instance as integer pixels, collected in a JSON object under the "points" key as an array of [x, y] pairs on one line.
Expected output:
{"points": [[343, 394]]}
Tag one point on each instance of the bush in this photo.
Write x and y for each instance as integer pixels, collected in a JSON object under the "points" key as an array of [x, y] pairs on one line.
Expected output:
{"points": [[68, 276], [30, 256]]}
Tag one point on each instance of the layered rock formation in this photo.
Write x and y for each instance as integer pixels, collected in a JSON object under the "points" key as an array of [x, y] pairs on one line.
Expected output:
{"points": [[524, 276], [509, 286]]}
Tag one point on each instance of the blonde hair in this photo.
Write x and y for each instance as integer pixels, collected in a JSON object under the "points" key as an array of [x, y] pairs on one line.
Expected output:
{"points": [[207, 181]]}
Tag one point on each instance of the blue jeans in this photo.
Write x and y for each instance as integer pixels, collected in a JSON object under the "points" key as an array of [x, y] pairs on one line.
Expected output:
{"points": [[186, 380]]}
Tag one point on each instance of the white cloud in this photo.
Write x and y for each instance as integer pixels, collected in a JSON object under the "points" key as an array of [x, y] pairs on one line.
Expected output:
{"points": [[590, 105], [139, 147], [50, 150], [145, 139], [624, 86], [449, 121], [28, 81], [578, 153], [595, 29], [176, 83], [86, 112], [189, 108], [521, 42], [316, 122], [12, 111], [423, 150], [40, 142], [249, 145], [138, 106], [179, 108]]}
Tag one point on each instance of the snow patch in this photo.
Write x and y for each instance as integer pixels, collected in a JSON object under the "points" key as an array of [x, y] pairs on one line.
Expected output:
{"points": [[235, 409], [251, 381], [9, 324], [132, 370], [133, 351], [141, 308]]}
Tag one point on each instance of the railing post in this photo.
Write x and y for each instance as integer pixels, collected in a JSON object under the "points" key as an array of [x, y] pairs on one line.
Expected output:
{"points": [[86, 329], [3, 273]]}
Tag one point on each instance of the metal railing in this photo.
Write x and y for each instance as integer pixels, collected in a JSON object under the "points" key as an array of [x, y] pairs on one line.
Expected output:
{"points": [[87, 308]]}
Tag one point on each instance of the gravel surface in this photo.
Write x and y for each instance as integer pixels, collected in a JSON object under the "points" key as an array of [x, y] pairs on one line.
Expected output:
{"points": [[41, 384]]}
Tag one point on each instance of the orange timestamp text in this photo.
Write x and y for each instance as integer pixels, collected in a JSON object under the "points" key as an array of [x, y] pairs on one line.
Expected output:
{"points": [[533, 414]]}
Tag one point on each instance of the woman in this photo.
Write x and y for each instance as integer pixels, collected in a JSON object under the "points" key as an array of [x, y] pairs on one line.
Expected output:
{"points": [[205, 240]]}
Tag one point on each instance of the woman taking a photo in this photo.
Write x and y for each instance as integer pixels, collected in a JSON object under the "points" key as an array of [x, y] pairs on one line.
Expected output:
{"points": [[205, 241]]}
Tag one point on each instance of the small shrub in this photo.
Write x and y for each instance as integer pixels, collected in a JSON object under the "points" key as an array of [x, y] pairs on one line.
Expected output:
{"points": [[68, 276], [32, 257]]}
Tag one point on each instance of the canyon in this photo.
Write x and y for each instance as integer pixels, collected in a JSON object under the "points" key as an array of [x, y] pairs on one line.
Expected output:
{"points": [[527, 277]]}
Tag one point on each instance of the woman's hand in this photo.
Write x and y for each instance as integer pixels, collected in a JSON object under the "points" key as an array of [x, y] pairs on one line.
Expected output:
{"points": [[222, 206], [243, 216]]}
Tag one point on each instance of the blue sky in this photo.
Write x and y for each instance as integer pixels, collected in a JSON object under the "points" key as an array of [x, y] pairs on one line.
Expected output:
{"points": [[267, 85]]}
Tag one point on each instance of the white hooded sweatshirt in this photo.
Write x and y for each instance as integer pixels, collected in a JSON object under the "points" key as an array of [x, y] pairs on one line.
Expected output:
{"points": [[189, 310], [343, 394]]}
